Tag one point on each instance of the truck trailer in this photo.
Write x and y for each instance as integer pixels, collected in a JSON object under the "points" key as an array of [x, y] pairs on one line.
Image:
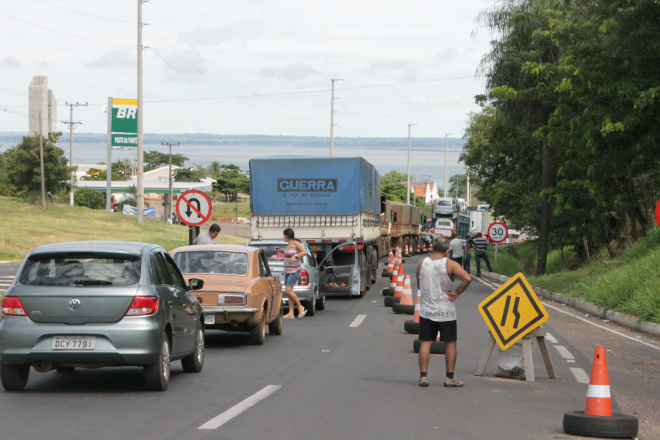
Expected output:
{"points": [[334, 206]]}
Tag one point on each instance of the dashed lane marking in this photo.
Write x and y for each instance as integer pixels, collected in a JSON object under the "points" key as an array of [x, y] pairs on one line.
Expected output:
{"points": [[580, 375], [550, 338], [563, 351], [357, 321], [239, 408]]}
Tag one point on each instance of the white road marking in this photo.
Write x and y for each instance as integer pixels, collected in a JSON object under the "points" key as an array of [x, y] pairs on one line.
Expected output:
{"points": [[550, 338], [239, 408], [580, 375], [545, 303], [600, 326], [563, 351], [357, 321]]}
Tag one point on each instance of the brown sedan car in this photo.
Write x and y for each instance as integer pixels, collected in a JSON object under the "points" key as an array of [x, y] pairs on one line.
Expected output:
{"points": [[239, 292]]}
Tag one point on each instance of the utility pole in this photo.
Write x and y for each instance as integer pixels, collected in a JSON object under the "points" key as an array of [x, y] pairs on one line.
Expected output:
{"points": [[408, 187], [446, 135], [41, 158], [170, 197], [469, 202], [140, 122], [71, 126], [332, 117]]}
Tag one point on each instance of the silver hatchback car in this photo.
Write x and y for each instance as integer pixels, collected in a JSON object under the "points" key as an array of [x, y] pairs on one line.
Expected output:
{"points": [[308, 288], [95, 304]]}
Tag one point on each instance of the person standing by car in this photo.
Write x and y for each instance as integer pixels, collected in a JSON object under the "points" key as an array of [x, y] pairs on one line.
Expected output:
{"points": [[208, 237], [437, 312], [456, 249], [480, 246], [292, 269], [467, 253]]}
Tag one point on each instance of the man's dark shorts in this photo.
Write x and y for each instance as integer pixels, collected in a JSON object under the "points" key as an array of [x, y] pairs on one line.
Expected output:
{"points": [[428, 330]]}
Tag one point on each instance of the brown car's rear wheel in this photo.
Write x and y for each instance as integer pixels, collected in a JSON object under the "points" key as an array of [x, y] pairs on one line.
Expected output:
{"points": [[258, 332], [276, 327]]}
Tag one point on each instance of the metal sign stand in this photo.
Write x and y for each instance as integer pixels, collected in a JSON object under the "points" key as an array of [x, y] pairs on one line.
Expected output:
{"points": [[539, 334], [193, 233]]}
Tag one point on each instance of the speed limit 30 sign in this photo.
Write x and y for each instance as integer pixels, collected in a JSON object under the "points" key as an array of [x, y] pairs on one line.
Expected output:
{"points": [[498, 232]]}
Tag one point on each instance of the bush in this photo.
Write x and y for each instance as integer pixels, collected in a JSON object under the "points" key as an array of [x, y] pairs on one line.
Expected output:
{"points": [[89, 198]]}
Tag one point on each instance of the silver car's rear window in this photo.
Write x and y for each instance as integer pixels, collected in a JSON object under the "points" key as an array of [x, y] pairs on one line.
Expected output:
{"points": [[81, 270], [207, 261]]}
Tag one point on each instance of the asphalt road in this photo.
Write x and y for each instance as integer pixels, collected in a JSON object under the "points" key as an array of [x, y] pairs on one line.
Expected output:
{"points": [[348, 372]]}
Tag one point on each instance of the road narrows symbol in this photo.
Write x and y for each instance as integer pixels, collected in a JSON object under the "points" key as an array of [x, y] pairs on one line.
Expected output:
{"points": [[505, 314], [515, 312]]}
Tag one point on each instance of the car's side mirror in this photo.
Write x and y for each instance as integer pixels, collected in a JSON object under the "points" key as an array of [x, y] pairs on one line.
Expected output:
{"points": [[195, 284]]}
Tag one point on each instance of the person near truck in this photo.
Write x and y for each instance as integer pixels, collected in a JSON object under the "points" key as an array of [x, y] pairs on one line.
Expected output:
{"points": [[468, 245], [293, 255], [480, 246], [437, 312], [208, 237], [456, 249]]}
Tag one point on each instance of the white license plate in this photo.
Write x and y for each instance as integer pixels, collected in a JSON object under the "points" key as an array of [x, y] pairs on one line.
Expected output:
{"points": [[74, 342], [209, 319]]}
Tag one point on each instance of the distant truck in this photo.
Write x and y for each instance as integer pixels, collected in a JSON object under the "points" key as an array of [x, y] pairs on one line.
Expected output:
{"points": [[334, 206]]}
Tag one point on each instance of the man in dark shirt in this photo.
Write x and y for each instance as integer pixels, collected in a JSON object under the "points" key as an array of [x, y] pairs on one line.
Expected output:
{"points": [[480, 245]]}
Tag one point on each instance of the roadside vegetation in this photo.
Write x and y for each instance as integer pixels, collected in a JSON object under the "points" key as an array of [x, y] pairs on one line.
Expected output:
{"points": [[26, 226], [627, 283]]}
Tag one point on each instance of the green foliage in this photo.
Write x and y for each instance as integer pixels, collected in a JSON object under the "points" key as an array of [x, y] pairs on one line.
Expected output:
{"points": [[188, 175], [89, 198], [120, 172], [391, 187], [154, 159], [20, 166], [231, 180], [567, 140]]}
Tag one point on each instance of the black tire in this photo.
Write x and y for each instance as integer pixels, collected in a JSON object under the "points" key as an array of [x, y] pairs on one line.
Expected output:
{"points": [[437, 347], [311, 307], [258, 332], [194, 362], [406, 309], [157, 376], [389, 301], [276, 327], [617, 426], [320, 303], [386, 274], [14, 377], [411, 327], [388, 292], [65, 369]]}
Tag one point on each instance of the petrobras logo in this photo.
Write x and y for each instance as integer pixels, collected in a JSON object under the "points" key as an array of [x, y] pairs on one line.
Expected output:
{"points": [[306, 185]]}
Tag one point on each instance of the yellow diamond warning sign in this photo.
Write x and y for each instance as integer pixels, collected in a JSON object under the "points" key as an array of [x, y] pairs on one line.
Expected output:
{"points": [[512, 311]]}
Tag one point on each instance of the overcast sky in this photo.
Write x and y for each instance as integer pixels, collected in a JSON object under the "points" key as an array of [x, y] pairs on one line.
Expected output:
{"points": [[207, 59]]}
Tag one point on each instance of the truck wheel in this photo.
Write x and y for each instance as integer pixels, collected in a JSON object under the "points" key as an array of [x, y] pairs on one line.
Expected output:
{"points": [[14, 377], [194, 362], [258, 332], [276, 327], [157, 376]]}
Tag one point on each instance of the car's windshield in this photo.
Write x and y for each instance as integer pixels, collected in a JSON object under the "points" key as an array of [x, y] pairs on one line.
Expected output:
{"points": [[272, 253], [443, 202], [81, 270], [207, 261], [443, 223]]}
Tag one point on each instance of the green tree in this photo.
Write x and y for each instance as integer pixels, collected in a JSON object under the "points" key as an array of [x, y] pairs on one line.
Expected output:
{"points": [[22, 165], [119, 173], [89, 198], [391, 187], [154, 159], [231, 180]]}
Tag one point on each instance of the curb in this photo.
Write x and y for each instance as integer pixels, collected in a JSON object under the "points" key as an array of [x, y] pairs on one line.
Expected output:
{"points": [[618, 317], [10, 262]]}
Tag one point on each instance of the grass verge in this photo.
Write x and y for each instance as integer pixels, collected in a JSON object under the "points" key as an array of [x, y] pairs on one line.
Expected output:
{"points": [[627, 284], [26, 226]]}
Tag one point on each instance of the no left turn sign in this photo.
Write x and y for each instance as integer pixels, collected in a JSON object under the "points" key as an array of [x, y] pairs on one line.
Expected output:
{"points": [[193, 207], [498, 232]]}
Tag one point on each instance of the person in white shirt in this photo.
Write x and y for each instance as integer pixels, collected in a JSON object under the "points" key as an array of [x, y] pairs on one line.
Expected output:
{"points": [[208, 237], [437, 312]]}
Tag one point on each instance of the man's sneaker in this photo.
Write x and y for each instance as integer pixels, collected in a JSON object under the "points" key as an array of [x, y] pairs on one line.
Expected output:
{"points": [[423, 381], [453, 383]]}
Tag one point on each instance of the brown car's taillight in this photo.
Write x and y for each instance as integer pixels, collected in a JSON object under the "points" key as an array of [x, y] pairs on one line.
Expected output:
{"points": [[232, 300], [11, 305]]}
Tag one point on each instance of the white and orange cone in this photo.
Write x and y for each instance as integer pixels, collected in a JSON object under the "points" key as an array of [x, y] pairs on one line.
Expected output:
{"points": [[406, 304], [599, 398]]}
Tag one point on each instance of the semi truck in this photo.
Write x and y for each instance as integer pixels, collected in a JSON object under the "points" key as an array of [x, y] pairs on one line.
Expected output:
{"points": [[334, 206]]}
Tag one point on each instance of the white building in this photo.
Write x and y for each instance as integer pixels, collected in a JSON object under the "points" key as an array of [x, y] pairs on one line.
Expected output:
{"points": [[427, 190]]}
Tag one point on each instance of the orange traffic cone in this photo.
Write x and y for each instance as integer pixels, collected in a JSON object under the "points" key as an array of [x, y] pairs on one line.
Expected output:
{"points": [[406, 251], [390, 266], [390, 290], [599, 400], [419, 250], [412, 326], [597, 419], [399, 254], [389, 301], [406, 305]]}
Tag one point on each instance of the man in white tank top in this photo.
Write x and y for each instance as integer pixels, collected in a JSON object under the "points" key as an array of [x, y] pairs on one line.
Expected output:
{"points": [[437, 312]]}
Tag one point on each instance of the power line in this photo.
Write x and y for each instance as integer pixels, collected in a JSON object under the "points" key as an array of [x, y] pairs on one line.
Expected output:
{"points": [[83, 13], [63, 32]]}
